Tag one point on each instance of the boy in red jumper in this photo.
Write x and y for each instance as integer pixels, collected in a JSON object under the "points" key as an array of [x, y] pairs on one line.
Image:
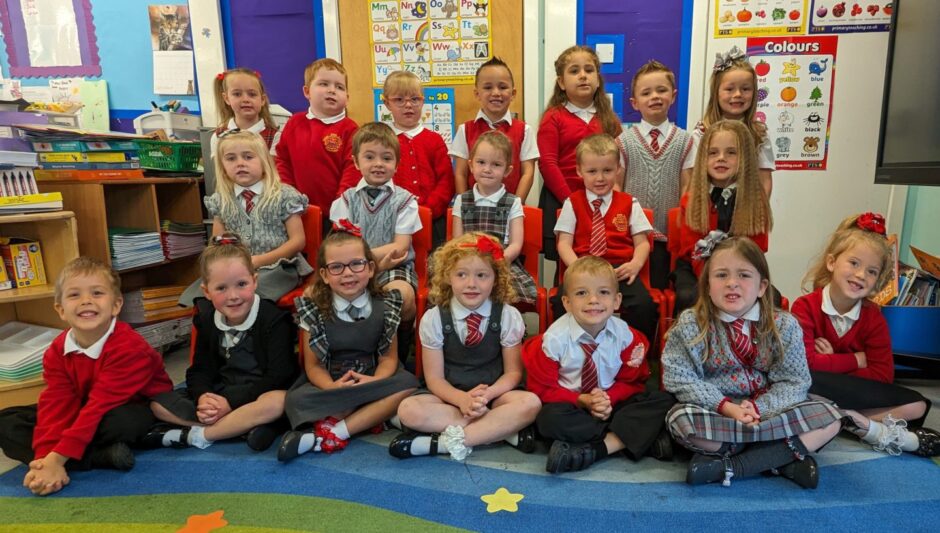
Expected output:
{"points": [[425, 170], [314, 154], [589, 369], [600, 221], [99, 376]]}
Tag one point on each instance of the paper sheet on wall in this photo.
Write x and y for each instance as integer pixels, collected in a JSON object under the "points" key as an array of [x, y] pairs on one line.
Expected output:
{"points": [[742, 18], [52, 32], [436, 115], [66, 89], [41, 93], [839, 16], [173, 72], [95, 115]]}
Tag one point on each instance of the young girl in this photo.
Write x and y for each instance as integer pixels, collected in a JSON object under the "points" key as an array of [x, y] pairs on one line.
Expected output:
{"points": [[724, 194], [250, 201], [579, 107], [243, 105], [489, 208], [471, 357], [848, 345], [352, 378], [739, 371], [243, 363], [732, 90]]}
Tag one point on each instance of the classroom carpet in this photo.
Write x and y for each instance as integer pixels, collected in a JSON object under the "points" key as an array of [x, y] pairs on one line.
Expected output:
{"points": [[229, 488]]}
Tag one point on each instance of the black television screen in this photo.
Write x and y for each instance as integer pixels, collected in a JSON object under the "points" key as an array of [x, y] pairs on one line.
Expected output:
{"points": [[909, 141]]}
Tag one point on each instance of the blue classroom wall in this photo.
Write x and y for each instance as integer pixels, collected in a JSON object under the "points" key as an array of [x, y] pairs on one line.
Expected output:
{"points": [[122, 30]]}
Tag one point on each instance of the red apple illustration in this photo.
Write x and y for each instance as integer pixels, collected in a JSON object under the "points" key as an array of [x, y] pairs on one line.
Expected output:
{"points": [[762, 68], [795, 14]]}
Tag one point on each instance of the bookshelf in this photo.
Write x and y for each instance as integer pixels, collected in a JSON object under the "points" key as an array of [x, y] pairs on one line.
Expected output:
{"points": [[58, 236]]}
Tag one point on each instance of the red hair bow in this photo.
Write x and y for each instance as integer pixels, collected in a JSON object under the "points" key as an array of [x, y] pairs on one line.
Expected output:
{"points": [[346, 226], [220, 76], [873, 222], [486, 245]]}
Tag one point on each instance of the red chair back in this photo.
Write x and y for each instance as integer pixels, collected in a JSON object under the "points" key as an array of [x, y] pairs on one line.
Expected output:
{"points": [[421, 242]]}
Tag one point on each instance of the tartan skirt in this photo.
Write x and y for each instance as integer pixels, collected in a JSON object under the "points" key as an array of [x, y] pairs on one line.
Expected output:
{"points": [[523, 283], [686, 421], [401, 272]]}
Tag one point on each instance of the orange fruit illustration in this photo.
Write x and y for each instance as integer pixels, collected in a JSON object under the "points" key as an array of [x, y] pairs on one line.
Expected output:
{"points": [[788, 94]]}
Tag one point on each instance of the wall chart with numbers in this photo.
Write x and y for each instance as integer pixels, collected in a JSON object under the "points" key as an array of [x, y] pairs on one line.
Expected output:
{"points": [[442, 41], [436, 115]]}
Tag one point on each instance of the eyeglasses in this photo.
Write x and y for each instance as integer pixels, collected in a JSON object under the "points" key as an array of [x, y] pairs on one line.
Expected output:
{"points": [[400, 101], [355, 266]]}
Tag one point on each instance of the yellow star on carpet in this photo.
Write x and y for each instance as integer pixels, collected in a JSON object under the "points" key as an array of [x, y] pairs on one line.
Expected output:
{"points": [[502, 500], [204, 523], [790, 67]]}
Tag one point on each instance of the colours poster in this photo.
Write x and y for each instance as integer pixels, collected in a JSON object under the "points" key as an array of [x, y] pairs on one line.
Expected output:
{"points": [[746, 18], [442, 41], [795, 81]]}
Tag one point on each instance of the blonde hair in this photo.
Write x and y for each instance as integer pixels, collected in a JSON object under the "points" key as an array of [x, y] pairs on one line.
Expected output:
{"points": [[224, 184], [326, 63], [319, 291], [706, 312], [86, 266], [599, 144], [605, 112], [590, 265], [713, 110], [651, 67], [401, 82], [376, 132], [848, 235], [752, 215], [230, 246], [445, 261], [498, 140], [226, 113]]}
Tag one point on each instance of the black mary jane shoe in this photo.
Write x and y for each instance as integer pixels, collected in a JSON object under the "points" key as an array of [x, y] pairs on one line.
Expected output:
{"points": [[662, 447], [400, 446], [707, 469], [804, 473], [290, 446], [154, 438], [260, 438], [526, 442], [566, 457], [929, 442], [115, 456]]}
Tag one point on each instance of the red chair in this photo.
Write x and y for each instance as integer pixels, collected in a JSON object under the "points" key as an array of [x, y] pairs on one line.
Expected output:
{"points": [[421, 242], [313, 232]]}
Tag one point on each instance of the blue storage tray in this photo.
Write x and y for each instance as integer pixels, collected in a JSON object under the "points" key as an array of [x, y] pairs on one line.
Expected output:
{"points": [[914, 330]]}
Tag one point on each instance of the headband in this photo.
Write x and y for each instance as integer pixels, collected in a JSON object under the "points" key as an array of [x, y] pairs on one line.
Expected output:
{"points": [[486, 245], [221, 75], [345, 226], [706, 245], [725, 60], [226, 238]]}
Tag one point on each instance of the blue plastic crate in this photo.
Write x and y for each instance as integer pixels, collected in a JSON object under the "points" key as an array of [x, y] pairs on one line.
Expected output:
{"points": [[914, 330]]}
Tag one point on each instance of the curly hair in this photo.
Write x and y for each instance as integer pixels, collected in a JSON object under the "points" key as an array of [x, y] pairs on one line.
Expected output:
{"points": [[752, 215], [605, 111], [226, 112], [226, 187], [847, 236], [455, 250], [713, 110], [319, 290]]}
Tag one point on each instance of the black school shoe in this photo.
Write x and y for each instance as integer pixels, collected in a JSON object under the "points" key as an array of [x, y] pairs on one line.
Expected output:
{"points": [[290, 445], [662, 447], [929, 442], [567, 457], [154, 438], [707, 469], [260, 438], [526, 442], [116, 456], [804, 473], [400, 446]]}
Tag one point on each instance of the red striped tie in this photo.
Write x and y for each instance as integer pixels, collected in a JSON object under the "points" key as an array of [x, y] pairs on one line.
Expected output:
{"points": [[474, 336], [740, 342], [654, 139], [598, 234], [589, 370], [248, 195]]}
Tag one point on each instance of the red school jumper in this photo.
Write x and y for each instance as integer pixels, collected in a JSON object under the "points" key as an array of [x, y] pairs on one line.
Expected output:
{"points": [[425, 170], [516, 133], [559, 134], [616, 225], [688, 237]]}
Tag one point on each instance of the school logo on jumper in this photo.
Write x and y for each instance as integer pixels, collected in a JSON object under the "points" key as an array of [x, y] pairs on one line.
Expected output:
{"points": [[332, 143], [621, 223], [636, 356]]}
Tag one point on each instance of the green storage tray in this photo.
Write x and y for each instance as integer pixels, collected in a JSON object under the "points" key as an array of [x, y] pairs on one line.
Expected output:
{"points": [[173, 156]]}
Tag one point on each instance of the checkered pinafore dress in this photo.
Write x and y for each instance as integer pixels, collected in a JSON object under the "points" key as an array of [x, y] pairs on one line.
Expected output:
{"points": [[495, 221]]}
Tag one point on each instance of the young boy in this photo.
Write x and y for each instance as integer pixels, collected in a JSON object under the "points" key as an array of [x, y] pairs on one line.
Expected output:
{"points": [[314, 153], [603, 222], [424, 169], [589, 369], [495, 90], [653, 154], [386, 213], [99, 374]]}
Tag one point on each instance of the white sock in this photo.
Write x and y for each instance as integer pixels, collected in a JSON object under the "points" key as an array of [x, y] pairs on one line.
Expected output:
{"points": [[891, 436], [171, 437], [874, 432], [340, 430], [513, 439], [309, 441], [422, 446], [197, 437], [395, 422], [909, 441]]}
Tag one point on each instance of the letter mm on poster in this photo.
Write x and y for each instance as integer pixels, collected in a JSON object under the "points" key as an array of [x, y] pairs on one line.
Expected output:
{"points": [[752, 18], [442, 41], [836, 16], [437, 114], [795, 80]]}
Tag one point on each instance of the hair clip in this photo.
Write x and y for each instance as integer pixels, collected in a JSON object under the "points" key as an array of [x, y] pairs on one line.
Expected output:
{"points": [[257, 73], [725, 60], [220, 76], [229, 132], [706, 245], [346, 226], [486, 245], [873, 222], [226, 238]]}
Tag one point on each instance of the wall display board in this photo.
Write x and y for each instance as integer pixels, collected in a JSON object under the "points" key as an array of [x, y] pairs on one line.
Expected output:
{"points": [[837, 16], [751, 18], [442, 41], [437, 114], [795, 82]]}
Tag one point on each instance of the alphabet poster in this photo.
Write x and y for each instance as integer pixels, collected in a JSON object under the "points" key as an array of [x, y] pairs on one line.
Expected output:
{"points": [[743, 18], [442, 41], [795, 80]]}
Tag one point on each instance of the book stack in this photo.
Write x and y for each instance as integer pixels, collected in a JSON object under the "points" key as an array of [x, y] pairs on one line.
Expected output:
{"points": [[151, 304], [919, 287], [69, 153], [181, 239], [17, 159], [167, 332], [132, 248], [21, 349]]}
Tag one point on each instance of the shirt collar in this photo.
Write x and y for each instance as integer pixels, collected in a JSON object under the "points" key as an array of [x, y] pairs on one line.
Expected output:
{"points": [[363, 184], [93, 351], [646, 127], [411, 134], [461, 313], [580, 110], [249, 320], [257, 127], [326, 120], [605, 200], [830, 309], [752, 314], [257, 188], [577, 334], [507, 118], [342, 304], [477, 195]]}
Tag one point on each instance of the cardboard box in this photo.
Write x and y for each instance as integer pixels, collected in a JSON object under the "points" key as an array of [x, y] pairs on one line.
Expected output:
{"points": [[23, 261], [5, 281]]}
